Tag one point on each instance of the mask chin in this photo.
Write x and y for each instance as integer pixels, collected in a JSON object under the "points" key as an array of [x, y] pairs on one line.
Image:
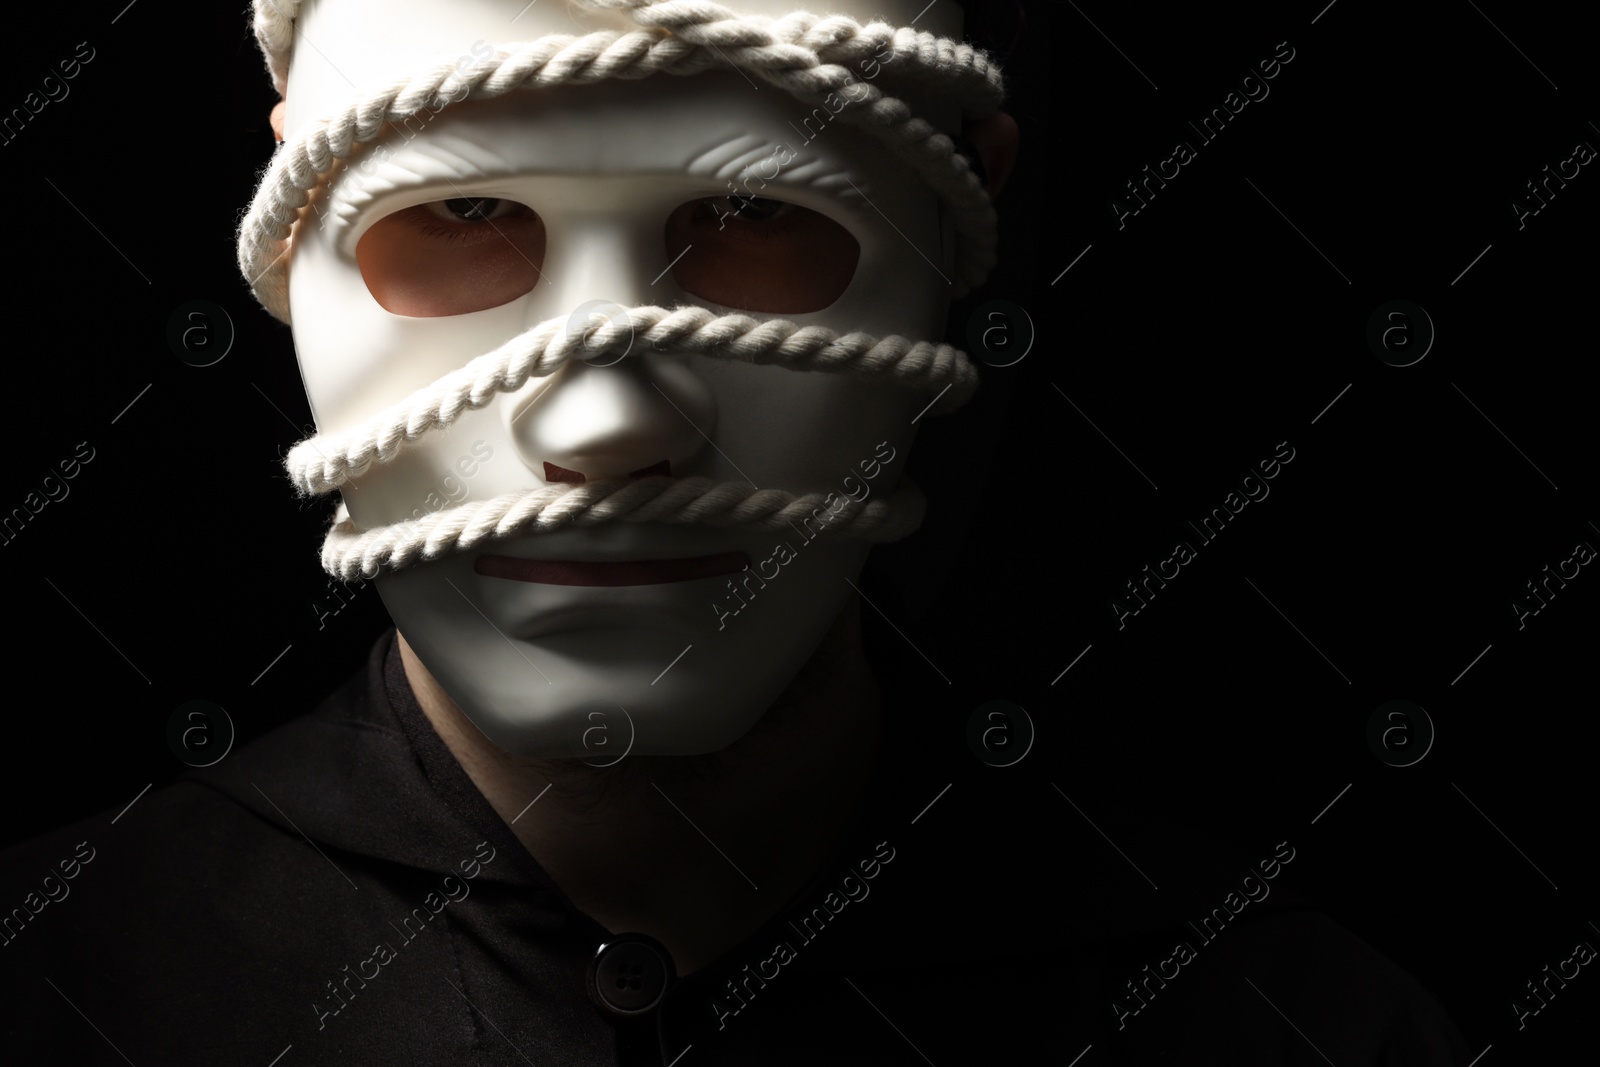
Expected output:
{"points": [[551, 673]]}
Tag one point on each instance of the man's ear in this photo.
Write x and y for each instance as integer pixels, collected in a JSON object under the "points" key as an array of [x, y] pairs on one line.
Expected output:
{"points": [[277, 119], [995, 139]]}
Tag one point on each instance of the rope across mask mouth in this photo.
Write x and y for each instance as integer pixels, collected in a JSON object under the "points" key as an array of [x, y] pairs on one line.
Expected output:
{"points": [[807, 56], [329, 461]]}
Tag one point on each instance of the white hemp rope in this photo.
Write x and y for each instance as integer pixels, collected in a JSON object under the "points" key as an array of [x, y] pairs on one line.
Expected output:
{"points": [[349, 553], [328, 461], [801, 53]]}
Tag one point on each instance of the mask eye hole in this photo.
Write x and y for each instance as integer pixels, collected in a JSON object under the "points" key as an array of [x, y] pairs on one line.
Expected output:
{"points": [[452, 257], [759, 254]]}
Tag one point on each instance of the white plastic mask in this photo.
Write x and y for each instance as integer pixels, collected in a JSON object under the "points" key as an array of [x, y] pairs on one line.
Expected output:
{"points": [[460, 231]]}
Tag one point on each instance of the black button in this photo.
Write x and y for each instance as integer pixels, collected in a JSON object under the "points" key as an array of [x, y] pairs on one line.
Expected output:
{"points": [[629, 976]]}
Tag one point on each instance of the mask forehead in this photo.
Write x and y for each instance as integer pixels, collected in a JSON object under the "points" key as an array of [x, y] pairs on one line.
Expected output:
{"points": [[711, 125]]}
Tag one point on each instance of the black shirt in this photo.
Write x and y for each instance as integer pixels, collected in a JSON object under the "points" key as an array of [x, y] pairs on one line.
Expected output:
{"points": [[340, 892]]}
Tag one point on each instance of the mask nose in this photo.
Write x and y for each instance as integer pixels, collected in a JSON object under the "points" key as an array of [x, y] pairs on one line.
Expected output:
{"points": [[641, 414]]}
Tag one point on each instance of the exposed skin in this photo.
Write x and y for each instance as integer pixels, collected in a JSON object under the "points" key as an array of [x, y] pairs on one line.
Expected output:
{"points": [[628, 845]]}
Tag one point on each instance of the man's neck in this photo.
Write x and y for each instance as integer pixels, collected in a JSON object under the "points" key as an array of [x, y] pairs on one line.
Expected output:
{"points": [[696, 851]]}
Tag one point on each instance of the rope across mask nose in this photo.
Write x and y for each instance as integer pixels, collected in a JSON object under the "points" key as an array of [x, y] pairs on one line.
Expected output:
{"points": [[808, 56], [329, 461]]}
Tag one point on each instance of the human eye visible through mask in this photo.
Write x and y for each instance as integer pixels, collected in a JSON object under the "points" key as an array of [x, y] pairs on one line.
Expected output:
{"points": [[468, 254], [452, 257]]}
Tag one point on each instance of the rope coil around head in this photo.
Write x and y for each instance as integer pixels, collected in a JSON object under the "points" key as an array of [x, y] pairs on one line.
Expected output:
{"points": [[328, 461], [349, 553]]}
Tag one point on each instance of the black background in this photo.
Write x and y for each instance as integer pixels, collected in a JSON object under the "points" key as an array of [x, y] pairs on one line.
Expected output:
{"points": [[1212, 326]]}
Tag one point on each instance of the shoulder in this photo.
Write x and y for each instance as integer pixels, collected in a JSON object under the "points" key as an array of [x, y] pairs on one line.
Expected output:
{"points": [[147, 917]]}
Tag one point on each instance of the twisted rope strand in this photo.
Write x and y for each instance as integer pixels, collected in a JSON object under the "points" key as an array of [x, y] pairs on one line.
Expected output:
{"points": [[325, 462], [350, 553]]}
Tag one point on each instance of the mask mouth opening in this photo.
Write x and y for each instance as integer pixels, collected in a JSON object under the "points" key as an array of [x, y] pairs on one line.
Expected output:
{"points": [[611, 573], [349, 552]]}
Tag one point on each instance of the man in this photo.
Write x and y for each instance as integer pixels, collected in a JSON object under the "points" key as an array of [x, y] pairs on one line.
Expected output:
{"points": [[425, 871], [559, 240]]}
